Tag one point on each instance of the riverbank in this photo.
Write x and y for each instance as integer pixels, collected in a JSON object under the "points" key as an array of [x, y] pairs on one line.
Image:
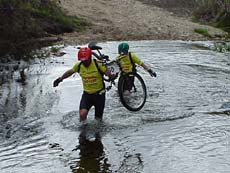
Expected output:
{"points": [[27, 26], [132, 20]]}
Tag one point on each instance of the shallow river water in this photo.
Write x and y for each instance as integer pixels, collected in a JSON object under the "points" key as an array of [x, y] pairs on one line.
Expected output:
{"points": [[183, 127]]}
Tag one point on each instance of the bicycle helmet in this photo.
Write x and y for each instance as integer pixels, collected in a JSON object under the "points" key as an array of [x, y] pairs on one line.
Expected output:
{"points": [[84, 54], [123, 48]]}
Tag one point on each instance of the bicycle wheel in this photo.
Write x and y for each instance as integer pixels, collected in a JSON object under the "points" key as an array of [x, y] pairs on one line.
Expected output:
{"points": [[132, 91]]}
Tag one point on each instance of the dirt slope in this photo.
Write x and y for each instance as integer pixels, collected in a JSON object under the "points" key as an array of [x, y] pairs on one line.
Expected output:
{"points": [[130, 20]]}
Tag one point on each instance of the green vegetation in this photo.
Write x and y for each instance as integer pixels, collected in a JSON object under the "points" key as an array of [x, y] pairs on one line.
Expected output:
{"points": [[202, 31], [55, 49], [27, 25], [194, 19], [222, 47], [214, 12]]}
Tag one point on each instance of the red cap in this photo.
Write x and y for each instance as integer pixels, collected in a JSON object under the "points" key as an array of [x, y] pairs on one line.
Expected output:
{"points": [[84, 54]]}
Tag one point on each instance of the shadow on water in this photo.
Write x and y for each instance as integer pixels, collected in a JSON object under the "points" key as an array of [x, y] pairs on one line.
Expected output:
{"points": [[39, 125], [168, 118], [13, 94], [92, 157], [224, 110], [223, 113]]}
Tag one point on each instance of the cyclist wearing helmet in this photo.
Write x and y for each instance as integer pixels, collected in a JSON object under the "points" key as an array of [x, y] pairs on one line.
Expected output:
{"points": [[93, 85], [128, 60]]}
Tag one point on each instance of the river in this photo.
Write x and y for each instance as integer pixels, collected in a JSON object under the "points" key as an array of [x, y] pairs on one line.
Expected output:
{"points": [[183, 127]]}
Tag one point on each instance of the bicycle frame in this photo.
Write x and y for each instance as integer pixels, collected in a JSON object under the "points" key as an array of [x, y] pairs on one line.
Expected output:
{"points": [[106, 61], [122, 85]]}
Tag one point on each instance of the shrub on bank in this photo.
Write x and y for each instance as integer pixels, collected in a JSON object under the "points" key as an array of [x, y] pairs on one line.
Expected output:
{"points": [[214, 12], [222, 47], [202, 31], [24, 25]]}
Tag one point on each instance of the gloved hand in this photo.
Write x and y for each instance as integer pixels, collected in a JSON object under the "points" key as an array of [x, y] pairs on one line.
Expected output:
{"points": [[113, 77], [106, 57], [57, 81], [153, 74]]}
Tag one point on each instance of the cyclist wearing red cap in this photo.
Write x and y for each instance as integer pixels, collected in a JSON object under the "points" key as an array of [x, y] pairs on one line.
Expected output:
{"points": [[93, 85]]}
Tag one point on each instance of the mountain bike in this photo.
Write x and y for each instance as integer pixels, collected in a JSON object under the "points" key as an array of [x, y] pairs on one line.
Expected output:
{"points": [[131, 87]]}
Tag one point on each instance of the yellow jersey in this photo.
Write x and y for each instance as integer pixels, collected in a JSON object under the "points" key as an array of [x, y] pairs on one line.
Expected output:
{"points": [[91, 76], [125, 61]]}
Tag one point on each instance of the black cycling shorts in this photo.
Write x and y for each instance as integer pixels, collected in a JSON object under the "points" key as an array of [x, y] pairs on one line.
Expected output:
{"points": [[128, 82], [96, 100]]}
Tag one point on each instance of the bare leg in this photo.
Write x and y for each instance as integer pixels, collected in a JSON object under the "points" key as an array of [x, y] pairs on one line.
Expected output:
{"points": [[83, 114]]}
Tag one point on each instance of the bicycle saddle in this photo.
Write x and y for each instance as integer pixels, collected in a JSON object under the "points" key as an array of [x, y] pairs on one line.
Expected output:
{"points": [[93, 46]]}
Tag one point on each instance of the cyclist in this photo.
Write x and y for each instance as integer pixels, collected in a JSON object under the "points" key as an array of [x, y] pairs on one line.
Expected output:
{"points": [[128, 61], [91, 72]]}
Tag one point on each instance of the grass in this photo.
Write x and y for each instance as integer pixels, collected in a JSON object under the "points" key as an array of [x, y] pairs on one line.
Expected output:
{"points": [[24, 23], [194, 19], [203, 32], [56, 14], [214, 13]]}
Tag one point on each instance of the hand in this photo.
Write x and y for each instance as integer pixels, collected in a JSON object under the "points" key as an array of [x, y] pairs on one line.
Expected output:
{"points": [[106, 57], [112, 77], [153, 74], [57, 81]]}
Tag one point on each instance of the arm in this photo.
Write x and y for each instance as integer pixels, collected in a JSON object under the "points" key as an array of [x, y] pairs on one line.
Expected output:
{"points": [[104, 69], [111, 76], [148, 70], [139, 62], [145, 66], [67, 74]]}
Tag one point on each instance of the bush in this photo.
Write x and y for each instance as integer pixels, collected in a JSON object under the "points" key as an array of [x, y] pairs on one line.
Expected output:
{"points": [[222, 47], [23, 23], [202, 32], [215, 12]]}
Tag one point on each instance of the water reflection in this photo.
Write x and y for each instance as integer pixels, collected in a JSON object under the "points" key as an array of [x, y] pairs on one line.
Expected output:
{"points": [[183, 127], [92, 156], [13, 94]]}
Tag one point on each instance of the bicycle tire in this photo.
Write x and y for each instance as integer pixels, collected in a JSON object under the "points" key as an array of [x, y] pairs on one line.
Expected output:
{"points": [[135, 98]]}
